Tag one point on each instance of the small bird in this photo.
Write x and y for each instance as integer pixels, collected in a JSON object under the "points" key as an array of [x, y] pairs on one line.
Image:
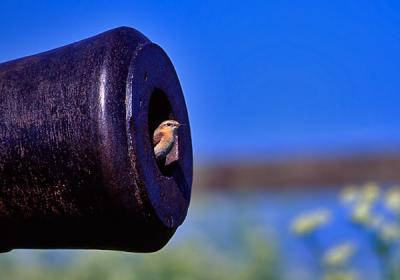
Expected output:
{"points": [[164, 138]]}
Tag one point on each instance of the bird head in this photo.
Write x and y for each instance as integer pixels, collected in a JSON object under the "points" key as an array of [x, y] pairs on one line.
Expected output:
{"points": [[169, 126]]}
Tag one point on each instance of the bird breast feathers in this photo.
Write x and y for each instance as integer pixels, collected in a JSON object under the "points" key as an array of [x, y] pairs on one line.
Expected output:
{"points": [[157, 138]]}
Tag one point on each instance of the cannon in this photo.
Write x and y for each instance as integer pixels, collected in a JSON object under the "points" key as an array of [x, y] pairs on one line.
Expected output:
{"points": [[77, 167]]}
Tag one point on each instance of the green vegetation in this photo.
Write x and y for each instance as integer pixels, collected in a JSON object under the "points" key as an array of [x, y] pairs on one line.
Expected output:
{"points": [[255, 259], [245, 236]]}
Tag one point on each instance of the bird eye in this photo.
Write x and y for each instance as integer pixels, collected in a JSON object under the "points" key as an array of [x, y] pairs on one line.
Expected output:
{"points": [[168, 124]]}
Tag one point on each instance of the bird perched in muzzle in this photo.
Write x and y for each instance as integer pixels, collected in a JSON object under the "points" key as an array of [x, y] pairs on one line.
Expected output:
{"points": [[164, 138]]}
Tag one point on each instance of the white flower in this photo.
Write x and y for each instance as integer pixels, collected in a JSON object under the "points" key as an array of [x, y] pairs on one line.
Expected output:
{"points": [[341, 276], [349, 194], [370, 192], [362, 213], [309, 222], [339, 255], [392, 200], [390, 233], [376, 221]]}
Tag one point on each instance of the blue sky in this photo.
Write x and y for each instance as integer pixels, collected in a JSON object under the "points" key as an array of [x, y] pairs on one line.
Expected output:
{"points": [[261, 78]]}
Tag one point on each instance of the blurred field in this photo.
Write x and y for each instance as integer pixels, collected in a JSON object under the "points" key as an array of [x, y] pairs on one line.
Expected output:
{"points": [[212, 244], [242, 235]]}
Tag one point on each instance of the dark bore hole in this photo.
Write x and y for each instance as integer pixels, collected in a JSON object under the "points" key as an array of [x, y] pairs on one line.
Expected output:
{"points": [[160, 110]]}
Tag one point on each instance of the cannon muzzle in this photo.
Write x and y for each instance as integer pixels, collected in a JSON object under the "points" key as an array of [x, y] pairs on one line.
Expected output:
{"points": [[77, 167]]}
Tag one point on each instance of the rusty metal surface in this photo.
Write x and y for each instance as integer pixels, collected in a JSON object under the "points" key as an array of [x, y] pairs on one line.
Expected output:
{"points": [[77, 168]]}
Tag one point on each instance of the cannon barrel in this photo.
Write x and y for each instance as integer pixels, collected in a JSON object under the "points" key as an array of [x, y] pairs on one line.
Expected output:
{"points": [[77, 167]]}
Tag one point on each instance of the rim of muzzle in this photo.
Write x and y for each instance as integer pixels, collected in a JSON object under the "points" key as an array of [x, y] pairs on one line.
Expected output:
{"points": [[77, 168]]}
